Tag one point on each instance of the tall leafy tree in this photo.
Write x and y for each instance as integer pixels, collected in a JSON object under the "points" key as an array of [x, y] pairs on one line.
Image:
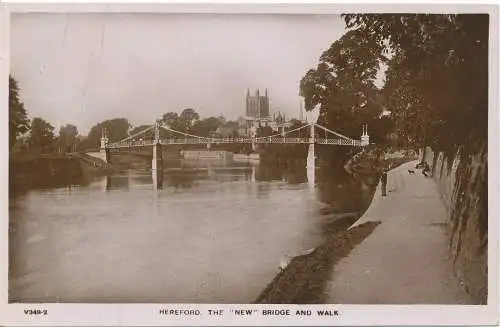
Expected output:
{"points": [[170, 118], [173, 121], [68, 138], [18, 120], [41, 135], [437, 83], [207, 126], [343, 84], [188, 117]]}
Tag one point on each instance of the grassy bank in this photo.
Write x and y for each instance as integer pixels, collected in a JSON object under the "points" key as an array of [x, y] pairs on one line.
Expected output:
{"points": [[305, 278]]}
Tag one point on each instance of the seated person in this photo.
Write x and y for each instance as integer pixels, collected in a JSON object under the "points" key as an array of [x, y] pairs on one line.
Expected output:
{"points": [[427, 170]]}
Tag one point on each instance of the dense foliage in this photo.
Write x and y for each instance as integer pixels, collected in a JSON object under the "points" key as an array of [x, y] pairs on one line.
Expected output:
{"points": [[41, 135], [18, 120], [343, 84], [68, 138], [437, 81], [436, 85]]}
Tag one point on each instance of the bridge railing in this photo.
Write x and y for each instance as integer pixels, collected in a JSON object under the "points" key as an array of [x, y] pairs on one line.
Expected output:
{"points": [[333, 138], [240, 140]]}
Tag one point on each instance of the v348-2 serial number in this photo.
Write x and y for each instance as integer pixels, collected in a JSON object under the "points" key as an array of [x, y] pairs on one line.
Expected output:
{"points": [[35, 312]]}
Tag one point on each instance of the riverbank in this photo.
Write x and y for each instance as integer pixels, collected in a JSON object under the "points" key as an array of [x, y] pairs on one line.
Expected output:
{"points": [[45, 171], [305, 279]]}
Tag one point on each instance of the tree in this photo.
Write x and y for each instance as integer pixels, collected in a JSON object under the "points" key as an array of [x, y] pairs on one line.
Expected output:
{"points": [[207, 126], [170, 118], [42, 135], [343, 84], [173, 121], [188, 117], [18, 120], [231, 124], [380, 128], [68, 138], [438, 77]]}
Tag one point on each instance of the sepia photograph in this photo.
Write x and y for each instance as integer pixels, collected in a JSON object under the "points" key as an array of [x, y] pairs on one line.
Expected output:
{"points": [[248, 158]]}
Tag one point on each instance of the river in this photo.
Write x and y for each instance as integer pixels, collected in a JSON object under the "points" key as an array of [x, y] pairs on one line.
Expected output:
{"points": [[212, 233]]}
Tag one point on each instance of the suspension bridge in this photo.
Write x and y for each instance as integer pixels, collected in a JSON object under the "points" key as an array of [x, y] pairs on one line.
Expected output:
{"points": [[311, 133]]}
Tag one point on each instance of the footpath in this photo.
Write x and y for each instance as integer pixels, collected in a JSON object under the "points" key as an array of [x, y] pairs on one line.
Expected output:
{"points": [[405, 259]]}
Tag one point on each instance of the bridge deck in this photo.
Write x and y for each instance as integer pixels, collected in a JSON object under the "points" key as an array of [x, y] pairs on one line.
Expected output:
{"points": [[265, 140]]}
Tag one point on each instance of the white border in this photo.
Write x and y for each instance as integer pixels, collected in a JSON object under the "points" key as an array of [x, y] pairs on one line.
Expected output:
{"points": [[147, 314]]}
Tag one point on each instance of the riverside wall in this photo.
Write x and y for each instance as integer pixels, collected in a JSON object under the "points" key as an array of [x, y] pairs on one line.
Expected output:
{"points": [[463, 182]]}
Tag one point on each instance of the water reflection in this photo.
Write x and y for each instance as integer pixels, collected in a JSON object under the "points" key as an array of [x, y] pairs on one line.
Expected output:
{"points": [[332, 186], [182, 180], [340, 191], [157, 179], [80, 243], [311, 168], [116, 182]]}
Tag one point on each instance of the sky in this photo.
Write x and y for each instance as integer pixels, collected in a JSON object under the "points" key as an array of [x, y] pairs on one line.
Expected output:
{"points": [[81, 69]]}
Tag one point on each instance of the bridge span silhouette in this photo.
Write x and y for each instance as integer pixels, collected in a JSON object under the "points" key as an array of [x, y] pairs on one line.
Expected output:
{"points": [[315, 134]]}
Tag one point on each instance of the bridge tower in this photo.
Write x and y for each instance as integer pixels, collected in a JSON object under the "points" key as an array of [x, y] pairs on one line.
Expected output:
{"points": [[253, 135], [365, 138], [312, 136], [312, 140], [311, 158], [104, 146], [157, 163]]}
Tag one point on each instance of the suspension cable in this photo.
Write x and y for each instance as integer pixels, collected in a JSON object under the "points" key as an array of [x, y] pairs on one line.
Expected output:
{"points": [[279, 134], [215, 139], [184, 134], [339, 135], [134, 135]]}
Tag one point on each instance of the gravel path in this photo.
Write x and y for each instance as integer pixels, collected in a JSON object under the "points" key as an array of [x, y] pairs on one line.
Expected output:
{"points": [[405, 259]]}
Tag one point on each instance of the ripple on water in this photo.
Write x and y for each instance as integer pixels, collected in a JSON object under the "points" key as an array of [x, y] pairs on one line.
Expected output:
{"points": [[198, 239]]}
